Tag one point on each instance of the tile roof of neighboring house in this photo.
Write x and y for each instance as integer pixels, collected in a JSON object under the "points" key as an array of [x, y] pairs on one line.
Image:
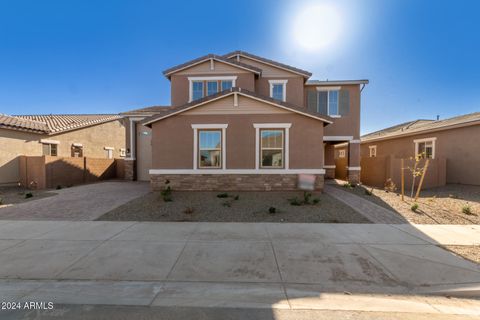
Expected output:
{"points": [[193, 62], [54, 123], [178, 109], [147, 111], [268, 61], [421, 126]]}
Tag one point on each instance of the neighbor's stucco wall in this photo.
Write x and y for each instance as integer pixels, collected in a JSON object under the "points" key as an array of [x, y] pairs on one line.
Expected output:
{"points": [[458, 146], [15, 143]]}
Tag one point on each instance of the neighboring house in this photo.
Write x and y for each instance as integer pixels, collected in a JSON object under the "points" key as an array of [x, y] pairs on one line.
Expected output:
{"points": [[454, 139], [95, 136], [243, 122]]}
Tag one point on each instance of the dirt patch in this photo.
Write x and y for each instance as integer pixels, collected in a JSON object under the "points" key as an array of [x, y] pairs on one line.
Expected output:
{"points": [[237, 207], [471, 253], [13, 195], [443, 205]]}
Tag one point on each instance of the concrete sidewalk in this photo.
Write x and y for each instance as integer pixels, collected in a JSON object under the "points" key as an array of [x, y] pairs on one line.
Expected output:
{"points": [[396, 268]]}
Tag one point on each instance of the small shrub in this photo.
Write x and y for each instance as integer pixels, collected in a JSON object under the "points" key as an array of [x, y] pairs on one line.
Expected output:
{"points": [[236, 197], [390, 186], [414, 207], [306, 197], [368, 192], [28, 195], [59, 187], [167, 192], [467, 209], [222, 195], [295, 202], [272, 210], [348, 185], [227, 204], [167, 198], [316, 200], [188, 210], [453, 196], [1, 201]]}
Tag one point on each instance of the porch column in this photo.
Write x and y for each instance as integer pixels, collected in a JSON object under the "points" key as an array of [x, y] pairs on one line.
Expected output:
{"points": [[354, 161], [329, 164]]}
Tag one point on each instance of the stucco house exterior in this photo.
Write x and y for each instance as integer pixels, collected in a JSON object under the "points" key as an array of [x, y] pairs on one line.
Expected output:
{"points": [[453, 140], [95, 136], [243, 122]]}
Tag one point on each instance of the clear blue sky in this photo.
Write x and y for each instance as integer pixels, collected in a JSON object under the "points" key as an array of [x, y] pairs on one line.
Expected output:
{"points": [[422, 57]]}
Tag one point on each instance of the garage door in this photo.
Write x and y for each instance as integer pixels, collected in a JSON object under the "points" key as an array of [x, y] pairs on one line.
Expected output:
{"points": [[144, 152]]}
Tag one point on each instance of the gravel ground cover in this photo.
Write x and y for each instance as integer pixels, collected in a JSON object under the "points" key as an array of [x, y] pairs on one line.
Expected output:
{"points": [[11, 195], [471, 253], [236, 207], [443, 205]]}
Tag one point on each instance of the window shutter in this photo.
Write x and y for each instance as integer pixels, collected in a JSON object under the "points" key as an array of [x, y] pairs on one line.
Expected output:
{"points": [[323, 102], [312, 100], [344, 103]]}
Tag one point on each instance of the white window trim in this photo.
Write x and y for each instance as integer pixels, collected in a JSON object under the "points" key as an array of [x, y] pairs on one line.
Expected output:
{"points": [[370, 149], [195, 128], [418, 141], [284, 82], [328, 89], [109, 148], [218, 78], [285, 126], [337, 138], [47, 141]]}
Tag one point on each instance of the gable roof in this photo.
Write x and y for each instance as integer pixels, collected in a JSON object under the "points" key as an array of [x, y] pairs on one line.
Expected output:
{"points": [[147, 111], [422, 126], [335, 82], [53, 123], [273, 63], [208, 57], [235, 90]]}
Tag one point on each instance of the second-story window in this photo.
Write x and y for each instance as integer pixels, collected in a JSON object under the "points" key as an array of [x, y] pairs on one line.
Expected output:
{"points": [[278, 89], [212, 87], [226, 84], [333, 103], [197, 90]]}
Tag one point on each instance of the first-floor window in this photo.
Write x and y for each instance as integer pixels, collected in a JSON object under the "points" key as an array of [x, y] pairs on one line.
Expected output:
{"points": [[373, 151], [210, 148], [425, 149], [271, 148], [50, 149]]}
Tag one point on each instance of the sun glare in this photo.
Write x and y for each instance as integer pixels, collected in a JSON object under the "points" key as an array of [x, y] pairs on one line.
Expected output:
{"points": [[317, 27]]}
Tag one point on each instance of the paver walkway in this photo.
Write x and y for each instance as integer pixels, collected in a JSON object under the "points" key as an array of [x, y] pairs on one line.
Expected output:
{"points": [[261, 265], [372, 211], [85, 202]]}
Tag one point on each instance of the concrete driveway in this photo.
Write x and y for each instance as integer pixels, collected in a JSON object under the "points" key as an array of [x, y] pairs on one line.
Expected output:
{"points": [[371, 267], [85, 202]]}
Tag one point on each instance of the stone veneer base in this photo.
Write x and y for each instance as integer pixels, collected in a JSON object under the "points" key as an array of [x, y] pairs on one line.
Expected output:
{"points": [[230, 182]]}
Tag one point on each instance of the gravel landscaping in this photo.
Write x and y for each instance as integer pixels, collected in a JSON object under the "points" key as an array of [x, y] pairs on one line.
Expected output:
{"points": [[443, 205], [12, 195], [471, 253], [236, 207]]}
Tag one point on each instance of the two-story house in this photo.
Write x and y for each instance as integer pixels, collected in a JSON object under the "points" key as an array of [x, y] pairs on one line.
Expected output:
{"points": [[243, 122]]}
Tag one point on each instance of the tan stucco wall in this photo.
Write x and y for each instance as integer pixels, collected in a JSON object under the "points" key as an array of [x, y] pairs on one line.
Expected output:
{"points": [[94, 139], [348, 125], [172, 139], [458, 146]]}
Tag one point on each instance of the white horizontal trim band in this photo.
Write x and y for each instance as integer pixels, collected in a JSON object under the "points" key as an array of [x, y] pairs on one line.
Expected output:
{"points": [[329, 166], [237, 171], [425, 140], [272, 125], [354, 168], [108, 148], [328, 88], [210, 126], [354, 141], [77, 144], [213, 78], [337, 138]]}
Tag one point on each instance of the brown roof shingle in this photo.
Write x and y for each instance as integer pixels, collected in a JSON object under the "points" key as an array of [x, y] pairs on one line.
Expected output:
{"points": [[419, 126], [53, 123], [305, 73], [177, 109], [179, 67]]}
